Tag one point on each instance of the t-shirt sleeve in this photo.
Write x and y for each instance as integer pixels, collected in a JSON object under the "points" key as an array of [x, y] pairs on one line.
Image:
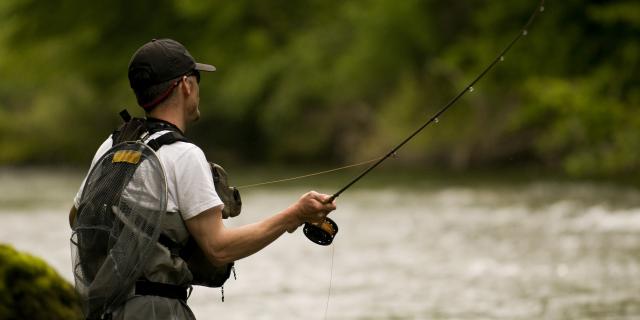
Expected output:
{"points": [[195, 189], [104, 147]]}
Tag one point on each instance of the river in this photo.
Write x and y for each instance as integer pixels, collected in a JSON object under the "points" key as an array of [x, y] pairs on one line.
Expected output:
{"points": [[535, 250]]}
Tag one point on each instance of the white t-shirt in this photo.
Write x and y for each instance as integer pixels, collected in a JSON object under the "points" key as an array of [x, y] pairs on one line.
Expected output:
{"points": [[189, 181]]}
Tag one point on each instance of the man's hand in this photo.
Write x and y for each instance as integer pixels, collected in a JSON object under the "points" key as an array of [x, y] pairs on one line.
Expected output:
{"points": [[312, 207]]}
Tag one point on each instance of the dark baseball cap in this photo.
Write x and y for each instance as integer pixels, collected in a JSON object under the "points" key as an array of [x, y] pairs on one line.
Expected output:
{"points": [[161, 60]]}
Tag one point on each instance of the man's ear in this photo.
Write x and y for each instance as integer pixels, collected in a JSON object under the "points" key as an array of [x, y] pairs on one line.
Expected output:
{"points": [[187, 86]]}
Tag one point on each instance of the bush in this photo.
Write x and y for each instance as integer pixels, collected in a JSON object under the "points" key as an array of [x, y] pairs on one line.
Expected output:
{"points": [[30, 289]]}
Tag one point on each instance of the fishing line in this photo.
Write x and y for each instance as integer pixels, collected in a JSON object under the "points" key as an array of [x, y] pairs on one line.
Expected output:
{"points": [[324, 233], [326, 309], [308, 175]]}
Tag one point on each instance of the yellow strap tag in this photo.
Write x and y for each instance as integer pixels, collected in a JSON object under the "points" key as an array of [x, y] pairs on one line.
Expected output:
{"points": [[129, 156]]}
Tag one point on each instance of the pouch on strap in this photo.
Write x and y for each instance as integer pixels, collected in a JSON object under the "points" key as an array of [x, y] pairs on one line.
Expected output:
{"points": [[230, 196]]}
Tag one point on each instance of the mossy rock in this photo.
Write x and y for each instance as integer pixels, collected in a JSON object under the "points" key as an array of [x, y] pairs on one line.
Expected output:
{"points": [[30, 289]]}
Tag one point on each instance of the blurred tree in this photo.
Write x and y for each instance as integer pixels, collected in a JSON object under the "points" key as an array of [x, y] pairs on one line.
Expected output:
{"points": [[337, 81]]}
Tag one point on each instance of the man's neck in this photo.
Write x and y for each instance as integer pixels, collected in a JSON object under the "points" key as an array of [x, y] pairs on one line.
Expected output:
{"points": [[159, 123], [163, 113]]}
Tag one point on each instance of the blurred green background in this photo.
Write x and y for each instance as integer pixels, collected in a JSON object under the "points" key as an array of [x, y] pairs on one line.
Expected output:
{"points": [[334, 82]]}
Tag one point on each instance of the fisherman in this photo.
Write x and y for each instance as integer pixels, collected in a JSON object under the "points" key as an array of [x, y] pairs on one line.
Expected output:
{"points": [[165, 79]]}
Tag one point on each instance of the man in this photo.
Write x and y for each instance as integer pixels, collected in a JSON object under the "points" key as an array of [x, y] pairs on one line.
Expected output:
{"points": [[165, 79]]}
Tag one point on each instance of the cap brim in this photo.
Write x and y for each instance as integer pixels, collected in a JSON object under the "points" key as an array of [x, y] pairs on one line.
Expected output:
{"points": [[205, 67]]}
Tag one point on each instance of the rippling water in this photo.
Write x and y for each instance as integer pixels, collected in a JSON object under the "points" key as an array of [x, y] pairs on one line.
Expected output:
{"points": [[541, 250]]}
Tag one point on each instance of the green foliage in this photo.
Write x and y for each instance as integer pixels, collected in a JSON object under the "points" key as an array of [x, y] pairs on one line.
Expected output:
{"points": [[584, 114], [30, 289], [337, 81]]}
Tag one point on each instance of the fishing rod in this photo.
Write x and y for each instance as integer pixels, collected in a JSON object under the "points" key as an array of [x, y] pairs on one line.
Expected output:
{"points": [[324, 232]]}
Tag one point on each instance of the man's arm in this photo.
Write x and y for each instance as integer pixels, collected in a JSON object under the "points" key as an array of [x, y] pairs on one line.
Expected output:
{"points": [[223, 245]]}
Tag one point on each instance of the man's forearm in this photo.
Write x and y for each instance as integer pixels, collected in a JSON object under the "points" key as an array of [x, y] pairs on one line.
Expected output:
{"points": [[241, 242], [223, 245]]}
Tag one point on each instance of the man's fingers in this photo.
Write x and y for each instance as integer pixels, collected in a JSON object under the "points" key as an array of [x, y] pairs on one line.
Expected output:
{"points": [[315, 207]]}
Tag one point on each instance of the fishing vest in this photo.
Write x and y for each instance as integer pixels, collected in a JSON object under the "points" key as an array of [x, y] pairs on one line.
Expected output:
{"points": [[124, 242]]}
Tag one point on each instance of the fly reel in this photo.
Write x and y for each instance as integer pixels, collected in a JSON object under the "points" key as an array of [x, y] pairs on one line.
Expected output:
{"points": [[322, 233]]}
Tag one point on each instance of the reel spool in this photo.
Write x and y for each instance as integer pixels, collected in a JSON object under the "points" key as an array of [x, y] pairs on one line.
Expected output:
{"points": [[321, 234]]}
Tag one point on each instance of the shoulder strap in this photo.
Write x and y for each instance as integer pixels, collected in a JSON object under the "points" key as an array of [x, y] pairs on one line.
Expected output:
{"points": [[130, 130], [165, 139]]}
